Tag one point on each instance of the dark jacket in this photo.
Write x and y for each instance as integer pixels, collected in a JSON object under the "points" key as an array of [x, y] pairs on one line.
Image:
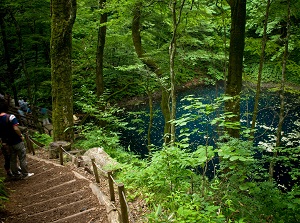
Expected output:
{"points": [[7, 132]]}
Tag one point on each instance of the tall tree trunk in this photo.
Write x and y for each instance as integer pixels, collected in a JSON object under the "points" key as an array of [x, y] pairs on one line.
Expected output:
{"points": [[224, 41], [63, 14], [235, 68], [166, 111], [10, 71], [172, 54], [150, 99], [137, 42], [261, 64], [100, 50], [27, 75], [225, 46], [20, 41], [282, 87]]}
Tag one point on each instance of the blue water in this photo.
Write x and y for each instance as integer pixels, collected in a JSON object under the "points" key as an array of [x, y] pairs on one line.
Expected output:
{"points": [[137, 140], [267, 119]]}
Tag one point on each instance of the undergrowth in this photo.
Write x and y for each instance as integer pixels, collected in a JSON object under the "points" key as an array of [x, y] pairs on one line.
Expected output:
{"points": [[224, 183]]}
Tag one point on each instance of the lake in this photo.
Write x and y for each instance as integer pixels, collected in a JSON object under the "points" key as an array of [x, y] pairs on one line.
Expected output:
{"points": [[206, 134], [267, 119]]}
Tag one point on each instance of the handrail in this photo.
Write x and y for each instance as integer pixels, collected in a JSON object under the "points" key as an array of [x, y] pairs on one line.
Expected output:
{"points": [[61, 158], [111, 181], [99, 168], [122, 199], [30, 142]]}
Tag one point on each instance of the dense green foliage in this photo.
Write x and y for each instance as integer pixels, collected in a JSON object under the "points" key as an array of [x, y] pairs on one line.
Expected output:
{"points": [[173, 179], [33, 19], [203, 40], [178, 185]]}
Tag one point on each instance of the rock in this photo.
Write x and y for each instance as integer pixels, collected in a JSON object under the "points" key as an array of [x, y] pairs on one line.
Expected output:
{"points": [[102, 159]]}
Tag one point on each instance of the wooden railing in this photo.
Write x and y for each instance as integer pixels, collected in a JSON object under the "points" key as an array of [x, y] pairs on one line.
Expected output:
{"points": [[121, 190], [124, 208], [30, 142], [30, 121]]}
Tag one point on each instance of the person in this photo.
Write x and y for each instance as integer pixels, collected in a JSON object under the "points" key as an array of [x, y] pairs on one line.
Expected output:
{"points": [[20, 111], [24, 106], [45, 118], [12, 136], [6, 154]]}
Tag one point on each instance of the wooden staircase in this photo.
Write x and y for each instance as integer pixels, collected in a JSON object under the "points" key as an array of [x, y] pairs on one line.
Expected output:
{"points": [[54, 193]]}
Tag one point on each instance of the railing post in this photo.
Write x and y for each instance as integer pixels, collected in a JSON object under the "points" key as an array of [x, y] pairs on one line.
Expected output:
{"points": [[73, 159], [95, 170], [29, 144], [61, 157], [111, 186], [78, 163], [124, 211]]}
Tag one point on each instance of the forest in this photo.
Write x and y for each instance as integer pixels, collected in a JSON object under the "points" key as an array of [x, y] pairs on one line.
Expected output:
{"points": [[99, 59]]}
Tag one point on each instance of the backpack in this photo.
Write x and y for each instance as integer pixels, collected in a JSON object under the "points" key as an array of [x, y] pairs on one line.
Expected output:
{"points": [[5, 137]]}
